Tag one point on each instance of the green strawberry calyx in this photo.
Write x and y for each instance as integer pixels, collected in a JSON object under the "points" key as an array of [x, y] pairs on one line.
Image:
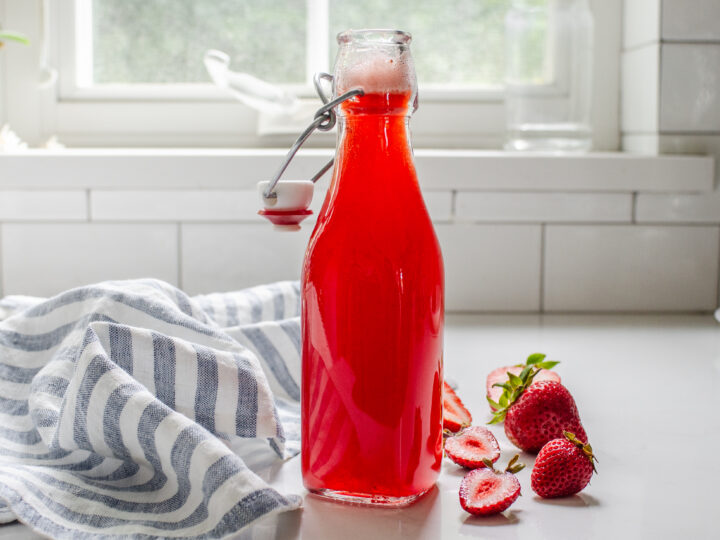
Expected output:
{"points": [[517, 384], [585, 447], [513, 465]]}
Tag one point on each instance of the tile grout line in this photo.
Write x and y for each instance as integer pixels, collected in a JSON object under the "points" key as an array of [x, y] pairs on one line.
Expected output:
{"points": [[717, 280], [260, 224], [638, 46], [543, 229], [633, 216], [659, 93], [88, 207]]}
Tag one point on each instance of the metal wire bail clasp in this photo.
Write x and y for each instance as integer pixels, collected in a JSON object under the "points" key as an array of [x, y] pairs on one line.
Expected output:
{"points": [[325, 119]]}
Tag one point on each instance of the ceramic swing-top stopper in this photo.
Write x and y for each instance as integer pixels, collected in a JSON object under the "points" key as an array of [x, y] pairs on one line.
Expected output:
{"points": [[289, 206]]}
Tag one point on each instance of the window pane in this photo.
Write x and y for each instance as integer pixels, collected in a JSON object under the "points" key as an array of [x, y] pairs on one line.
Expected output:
{"points": [[163, 41], [458, 43]]}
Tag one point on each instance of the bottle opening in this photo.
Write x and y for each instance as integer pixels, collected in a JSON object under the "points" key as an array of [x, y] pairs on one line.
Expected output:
{"points": [[379, 62], [372, 35]]}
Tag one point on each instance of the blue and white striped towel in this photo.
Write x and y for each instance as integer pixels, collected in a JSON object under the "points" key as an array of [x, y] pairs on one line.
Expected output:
{"points": [[125, 407]]}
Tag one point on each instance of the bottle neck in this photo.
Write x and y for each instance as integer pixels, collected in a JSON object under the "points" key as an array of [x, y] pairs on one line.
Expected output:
{"points": [[374, 138], [374, 154], [374, 170], [396, 103]]}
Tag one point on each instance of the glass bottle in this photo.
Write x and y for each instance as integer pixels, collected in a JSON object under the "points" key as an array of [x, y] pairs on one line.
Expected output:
{"points": [[373, 295], [549, 59]]}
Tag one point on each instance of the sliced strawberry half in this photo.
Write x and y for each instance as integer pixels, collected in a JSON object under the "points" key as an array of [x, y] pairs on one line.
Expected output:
{"points": [[472, 447], [484, 492], [455, 414], [500, 375]]}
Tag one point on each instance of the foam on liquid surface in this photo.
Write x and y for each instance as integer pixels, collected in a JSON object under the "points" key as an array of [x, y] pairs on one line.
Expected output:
{"points": [[377, 72]]}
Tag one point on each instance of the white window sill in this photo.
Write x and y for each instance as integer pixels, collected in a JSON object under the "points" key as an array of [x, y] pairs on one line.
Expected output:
{"points": [[438, 170]]}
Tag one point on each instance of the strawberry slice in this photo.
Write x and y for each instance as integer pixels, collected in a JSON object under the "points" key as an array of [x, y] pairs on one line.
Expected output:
{"points": [[472, 446], [485, 491], [500, 375], [455, 414]]}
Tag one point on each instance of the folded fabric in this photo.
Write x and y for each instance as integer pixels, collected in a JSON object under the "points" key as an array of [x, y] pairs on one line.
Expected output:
{"points": [[125, 407]]}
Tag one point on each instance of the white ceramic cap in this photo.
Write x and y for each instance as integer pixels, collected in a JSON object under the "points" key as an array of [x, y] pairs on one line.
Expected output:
{"points": [[291, 195]]}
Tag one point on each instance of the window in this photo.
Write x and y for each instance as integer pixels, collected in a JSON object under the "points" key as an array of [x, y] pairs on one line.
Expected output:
{"points": [[131, 71], [144, 42]]}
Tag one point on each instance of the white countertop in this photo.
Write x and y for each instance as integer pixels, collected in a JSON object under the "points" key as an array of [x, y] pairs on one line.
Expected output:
{"points": [[647, 392]]}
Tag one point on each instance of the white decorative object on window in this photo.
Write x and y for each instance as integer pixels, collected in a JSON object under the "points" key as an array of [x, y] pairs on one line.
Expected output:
{"points": [[253, 92]]}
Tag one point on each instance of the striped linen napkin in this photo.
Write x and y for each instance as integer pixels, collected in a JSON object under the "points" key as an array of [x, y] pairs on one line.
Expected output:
{"points": [[125, 407]]}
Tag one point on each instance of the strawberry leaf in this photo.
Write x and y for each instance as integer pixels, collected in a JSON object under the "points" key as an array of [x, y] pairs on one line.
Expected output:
{"points": [[535, 358], [524, 373], [493, 404], [498, 417], [547, 365], [513, 466], [515, 385], [515, 381]]}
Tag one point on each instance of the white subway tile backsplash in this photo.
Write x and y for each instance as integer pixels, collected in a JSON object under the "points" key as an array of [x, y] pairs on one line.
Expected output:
{"points": [[317, 201], [641, 22], [640, 89], [44, 259], [682, 208], [544, 207], [678, 144], [43, 205], [630, 268], [491, 267], [690, 87], [212, 205], [179, 205], [487, 267], [690, 20], [233, 256], [439, 205]]}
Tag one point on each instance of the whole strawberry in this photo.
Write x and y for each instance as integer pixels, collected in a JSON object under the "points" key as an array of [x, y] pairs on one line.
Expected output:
{"points": [[563, 467], [536, 413], [486, 491]]}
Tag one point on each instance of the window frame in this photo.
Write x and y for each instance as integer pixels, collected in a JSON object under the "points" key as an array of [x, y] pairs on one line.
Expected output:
{"points": [[202, 115]]}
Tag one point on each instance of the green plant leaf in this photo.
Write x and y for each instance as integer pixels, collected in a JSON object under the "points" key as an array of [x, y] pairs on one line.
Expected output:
{"points": [[525, 372], [494, 404], [506, 386], [10, 35], [515, 381], [503, 401], [547, 365], [497, 417], [514, 466], [535, 358]]}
